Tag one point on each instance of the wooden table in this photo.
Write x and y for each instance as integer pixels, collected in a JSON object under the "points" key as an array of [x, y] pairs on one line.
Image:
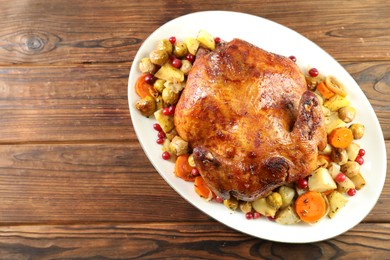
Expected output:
{"points": [[74, 181]]}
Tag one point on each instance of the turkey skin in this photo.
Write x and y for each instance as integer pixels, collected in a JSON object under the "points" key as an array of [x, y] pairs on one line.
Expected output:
{"points": [[250, 120]]}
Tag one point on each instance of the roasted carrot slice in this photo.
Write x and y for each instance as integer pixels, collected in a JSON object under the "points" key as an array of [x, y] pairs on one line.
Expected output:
{"points": [[183, 168], [142, 88], [324, 90], [201, 188], [310, 206], [340, 137]]}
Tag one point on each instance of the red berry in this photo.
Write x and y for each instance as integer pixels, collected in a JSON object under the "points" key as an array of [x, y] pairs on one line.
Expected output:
{"points": [[172, 39], [218, 199], [176, 63], [362, 152], [160, 140], [157, 127], [303, 183], [150, 78], [340, 177], [249, 215], [351, 192], [313, 72], [190, 57], [161, 134], [271, 218], [359, 159], [256, 215], [166, 111], [293, 58], [171, 109], [194, 172], [166, 155], [217, 40]]}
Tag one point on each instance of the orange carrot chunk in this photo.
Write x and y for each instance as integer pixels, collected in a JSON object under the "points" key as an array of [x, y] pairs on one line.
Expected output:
{"points": [[142, 87], [183, 168], [324, 90], [340, 137], [201, 188], [310, 206]]}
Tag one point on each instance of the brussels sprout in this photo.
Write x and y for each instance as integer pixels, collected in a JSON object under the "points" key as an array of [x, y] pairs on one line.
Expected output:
{"points": [[147, 106], [169, 96], [274, 200], [179, 49], [357, 130], [158, 57], [347, 114], [159, 85], [165, 45]]}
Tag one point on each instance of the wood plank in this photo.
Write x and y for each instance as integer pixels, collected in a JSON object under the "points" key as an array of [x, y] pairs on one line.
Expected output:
{"points": [[40, 104], [112, 31], [69, 183], [203, 240]]}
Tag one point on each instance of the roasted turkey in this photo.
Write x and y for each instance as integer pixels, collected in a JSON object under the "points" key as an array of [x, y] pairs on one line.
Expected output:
{"points": [[250, 120]]}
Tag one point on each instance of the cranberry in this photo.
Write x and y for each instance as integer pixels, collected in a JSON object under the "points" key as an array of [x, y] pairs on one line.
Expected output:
{"points": [[249, 215], [362, 152], [256, 215], [176, 63], [166, 111], [313, 72], [340, 177], [171, 109], [157, 127], [190, 57], [161, 134], [194, 172], [166, 155], [160, 140], [351, 192], [271, 218], [217, 40], [293, 58], [359, 159], [218, 199], [303, 183], [150, 79], [172, 39]]}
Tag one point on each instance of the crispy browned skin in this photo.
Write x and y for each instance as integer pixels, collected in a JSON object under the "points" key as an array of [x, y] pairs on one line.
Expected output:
{"points": [[251, 122]]}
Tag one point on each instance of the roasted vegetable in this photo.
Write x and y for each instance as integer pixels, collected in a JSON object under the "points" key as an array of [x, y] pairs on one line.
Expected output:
{"points": [[178, 146], [169, 73], [353, 151], [336, 102], [166, 122], [339, 156], [321, 181], [347, 114], [159, 85], [192, 45], [332, 122], [340, 137], [245, 206], [274, 200], [158, 57], [336, 202], [169, 96], [310, 206], [350, 169], [146, 66], [186, 66], [261, 206], [358, 181], [335, 85], [345, 185], [357, 130], [287, 195], [206, 40], [147, 106], [287, 216], [231, 203], [165, 45], [179, 49]]}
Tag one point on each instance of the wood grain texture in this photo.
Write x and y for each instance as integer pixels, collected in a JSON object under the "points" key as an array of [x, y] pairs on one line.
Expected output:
{"points": [[189, 240], [86, 32], [44, 184]]}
